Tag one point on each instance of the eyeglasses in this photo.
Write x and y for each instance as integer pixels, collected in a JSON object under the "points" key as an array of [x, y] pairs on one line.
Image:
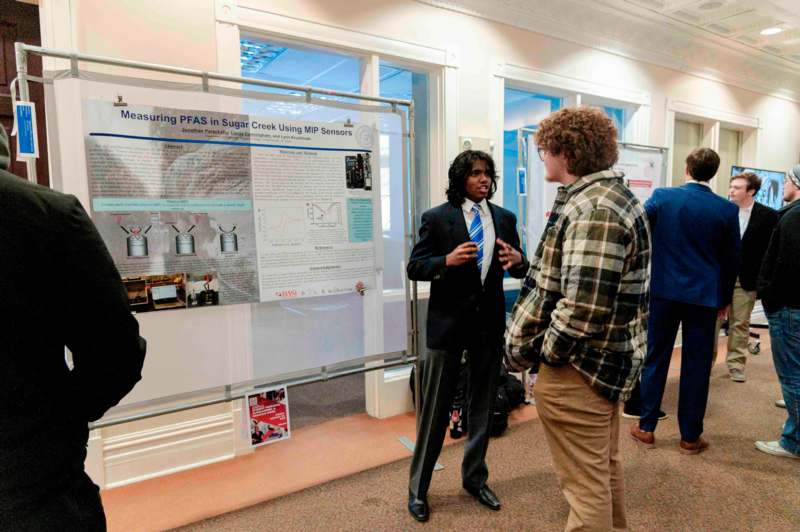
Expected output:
{"points": [[541, 153]]}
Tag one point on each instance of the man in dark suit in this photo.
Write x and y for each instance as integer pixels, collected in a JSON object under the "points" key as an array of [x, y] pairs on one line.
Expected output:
{"points": [[695, 243], [59, 288], [465, 246], [756, 223]]}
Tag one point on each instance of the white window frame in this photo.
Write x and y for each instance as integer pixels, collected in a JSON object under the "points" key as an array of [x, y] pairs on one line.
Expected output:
{"points": [[713, 120], [386, 394], [574, 92]]}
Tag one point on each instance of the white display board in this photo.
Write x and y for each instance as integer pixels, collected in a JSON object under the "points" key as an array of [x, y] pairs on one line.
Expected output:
{"points": [[541, 196], [645, 169], [279, 200]]}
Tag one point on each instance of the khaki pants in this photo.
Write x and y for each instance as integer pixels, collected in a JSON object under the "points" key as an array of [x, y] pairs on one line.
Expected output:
{"points": [[739, 328], [582, 430]]}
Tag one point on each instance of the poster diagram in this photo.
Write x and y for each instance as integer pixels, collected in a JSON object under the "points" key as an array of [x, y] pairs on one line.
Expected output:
{"points": [[325, 215], [268, 415], [281, 222], [208, 208]]}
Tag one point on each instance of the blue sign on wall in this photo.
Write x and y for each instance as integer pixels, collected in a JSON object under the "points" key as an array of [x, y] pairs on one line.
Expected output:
{"points": [[27, 145], [521, 182]]}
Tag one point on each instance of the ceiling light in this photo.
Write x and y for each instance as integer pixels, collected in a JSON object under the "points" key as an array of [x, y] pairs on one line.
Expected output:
{"points": [[771, 31]]}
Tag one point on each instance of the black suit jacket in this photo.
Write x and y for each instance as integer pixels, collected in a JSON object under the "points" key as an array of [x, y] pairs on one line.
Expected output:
{"points": [[754, 243], [58, 288], [459, 304]]}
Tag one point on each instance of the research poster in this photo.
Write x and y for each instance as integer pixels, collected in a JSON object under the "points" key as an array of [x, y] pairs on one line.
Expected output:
{"points": [[268, 415], [203, 208], [642, 169]]}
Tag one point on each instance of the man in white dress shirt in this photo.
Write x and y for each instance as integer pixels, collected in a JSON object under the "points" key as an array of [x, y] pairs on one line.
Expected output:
{"points": [[465, 247], [756, 222]]}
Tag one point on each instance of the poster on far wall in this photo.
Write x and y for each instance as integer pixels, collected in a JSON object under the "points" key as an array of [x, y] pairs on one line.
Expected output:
{"points": [[268, 415], [644, 169]]}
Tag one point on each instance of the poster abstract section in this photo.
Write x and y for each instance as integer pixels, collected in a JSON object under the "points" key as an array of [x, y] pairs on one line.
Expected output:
{"points": [[204, 208]]}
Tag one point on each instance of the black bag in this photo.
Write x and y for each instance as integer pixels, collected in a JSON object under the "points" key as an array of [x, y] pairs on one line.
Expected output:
{"points": [[509, 395], [515, 390], [458, 410]]}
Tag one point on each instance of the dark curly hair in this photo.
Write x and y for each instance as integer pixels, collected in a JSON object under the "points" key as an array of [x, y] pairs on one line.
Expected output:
{"points": [[584, 135], [461, 169], [753, 181]]}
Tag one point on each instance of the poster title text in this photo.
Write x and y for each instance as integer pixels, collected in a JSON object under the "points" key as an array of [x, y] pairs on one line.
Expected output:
{"points": [[233, 123]]}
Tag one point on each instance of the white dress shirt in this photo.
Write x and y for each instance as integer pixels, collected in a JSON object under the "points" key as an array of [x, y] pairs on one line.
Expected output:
{"points": [[744, 219], [488, 231]]}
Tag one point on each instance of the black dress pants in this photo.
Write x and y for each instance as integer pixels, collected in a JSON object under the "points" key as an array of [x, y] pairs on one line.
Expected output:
{"points": [[439, 378]]}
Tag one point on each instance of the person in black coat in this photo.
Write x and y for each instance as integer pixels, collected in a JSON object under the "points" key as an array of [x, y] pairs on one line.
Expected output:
{"points": [[465, 247], [779, 290], [756, 223], [59, 288]]}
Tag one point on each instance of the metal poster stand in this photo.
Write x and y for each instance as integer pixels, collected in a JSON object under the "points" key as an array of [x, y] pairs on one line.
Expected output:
{"points": [[233, 392]]}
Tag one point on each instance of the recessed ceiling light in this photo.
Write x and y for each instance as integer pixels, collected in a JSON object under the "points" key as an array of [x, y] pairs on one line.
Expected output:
{"points": [[771, 31], [710, 5]]}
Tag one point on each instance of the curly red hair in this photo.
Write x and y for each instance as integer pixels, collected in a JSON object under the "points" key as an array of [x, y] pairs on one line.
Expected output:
{"points": [[584, 135]]}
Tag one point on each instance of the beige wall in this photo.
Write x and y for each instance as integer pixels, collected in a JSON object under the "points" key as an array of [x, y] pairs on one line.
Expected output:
{"points": [[170, 32], [183, 32], [186, 33]]}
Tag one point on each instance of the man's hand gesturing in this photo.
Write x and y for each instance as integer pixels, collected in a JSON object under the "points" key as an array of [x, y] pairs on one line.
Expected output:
{"points": [[462, 254], [509, 257]]}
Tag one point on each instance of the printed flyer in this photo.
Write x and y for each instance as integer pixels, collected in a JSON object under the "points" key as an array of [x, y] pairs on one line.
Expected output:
{"points": [[268, 414]]}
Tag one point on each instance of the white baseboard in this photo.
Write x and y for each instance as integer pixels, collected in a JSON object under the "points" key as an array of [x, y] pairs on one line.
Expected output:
{"points": [[396, 395], [166, 449]]}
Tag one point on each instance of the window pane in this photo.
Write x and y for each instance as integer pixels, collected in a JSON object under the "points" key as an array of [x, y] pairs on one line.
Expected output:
{"points": [[298, 66], [522, 109], [403, 83], [617, 114]]}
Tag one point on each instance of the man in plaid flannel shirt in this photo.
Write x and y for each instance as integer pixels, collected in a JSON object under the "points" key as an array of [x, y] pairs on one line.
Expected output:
{"points": [[582, 312]]}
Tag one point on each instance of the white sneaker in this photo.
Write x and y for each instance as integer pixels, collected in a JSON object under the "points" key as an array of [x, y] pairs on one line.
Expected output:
{"points": [[774, 448], [780, 403]]}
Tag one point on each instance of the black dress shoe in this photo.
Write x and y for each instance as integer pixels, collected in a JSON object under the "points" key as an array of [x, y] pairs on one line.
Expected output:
{"points": [[418, 508], [485, 496], [631, 414]]}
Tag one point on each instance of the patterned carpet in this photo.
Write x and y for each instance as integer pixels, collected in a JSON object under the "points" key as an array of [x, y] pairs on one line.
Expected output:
{"points": [[730, 487]]}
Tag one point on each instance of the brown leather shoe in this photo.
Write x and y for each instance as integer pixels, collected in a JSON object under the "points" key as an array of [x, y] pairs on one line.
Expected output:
{"points": [[648, 439], [696, 447]]}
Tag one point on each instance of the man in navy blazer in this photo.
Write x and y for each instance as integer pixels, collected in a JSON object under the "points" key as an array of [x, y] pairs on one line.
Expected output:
{"points": [[695, 246], [465, 247]]}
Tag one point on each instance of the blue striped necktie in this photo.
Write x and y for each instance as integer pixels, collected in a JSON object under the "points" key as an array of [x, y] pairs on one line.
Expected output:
{"points": [[476, 233]]}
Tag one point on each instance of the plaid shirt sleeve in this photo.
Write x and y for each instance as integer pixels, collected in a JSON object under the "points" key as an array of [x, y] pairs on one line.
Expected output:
{"points": [[592, 263], [529, 321]]}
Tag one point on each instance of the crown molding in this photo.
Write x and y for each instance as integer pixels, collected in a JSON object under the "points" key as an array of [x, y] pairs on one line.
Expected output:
{"points": [[623, 29]]}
